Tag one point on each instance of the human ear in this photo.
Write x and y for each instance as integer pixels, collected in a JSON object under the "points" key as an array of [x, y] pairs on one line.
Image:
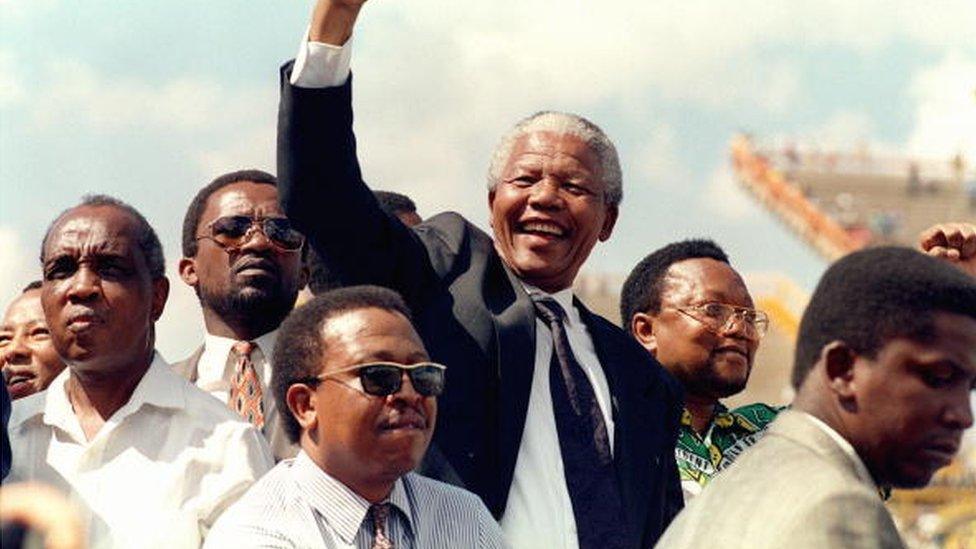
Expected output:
{"points": [[302, 402], [160, 291], [642, 327], [188, 271], [608, 223], [839, 360]]}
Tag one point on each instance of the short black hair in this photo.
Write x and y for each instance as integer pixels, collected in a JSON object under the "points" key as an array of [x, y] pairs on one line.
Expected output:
{"points": [[299, 347], [642, 290], [147, 239], [393, 203], [199, 203], [872, 296], [33, 285]]}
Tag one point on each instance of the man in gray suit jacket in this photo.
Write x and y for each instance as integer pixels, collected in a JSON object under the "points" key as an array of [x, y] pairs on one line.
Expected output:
{"points": [[885, 363]]}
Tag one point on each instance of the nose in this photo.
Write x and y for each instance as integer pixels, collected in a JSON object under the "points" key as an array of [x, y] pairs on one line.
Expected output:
{"points": [[737, 326], [959, 412], [544, 195], [16, 351], [256, 238], [85, 285]]}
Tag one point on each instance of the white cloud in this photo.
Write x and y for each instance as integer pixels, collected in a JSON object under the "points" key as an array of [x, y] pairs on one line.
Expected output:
{"points": [[724, 198], [71, 92], [945, 116], [657, 161]]}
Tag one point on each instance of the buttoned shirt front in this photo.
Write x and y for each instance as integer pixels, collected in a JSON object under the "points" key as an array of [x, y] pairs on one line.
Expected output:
{"points": [[216, 368], [298, 504], [158, 473]]}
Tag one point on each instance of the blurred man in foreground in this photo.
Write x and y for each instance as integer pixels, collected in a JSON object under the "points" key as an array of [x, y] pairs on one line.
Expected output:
{"points": [[687, 306], [885, 364], [152, 459], [362, 396], [27, 356]]}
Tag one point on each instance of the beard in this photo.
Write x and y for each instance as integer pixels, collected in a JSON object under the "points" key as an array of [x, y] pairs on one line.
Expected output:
{"points": [[263, 306], [711, 382]]}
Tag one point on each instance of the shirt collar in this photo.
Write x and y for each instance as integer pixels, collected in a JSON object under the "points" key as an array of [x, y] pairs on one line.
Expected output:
{"points": [[859, 467], [155, 388], [338, 504], [216, 349], [564, 297]]}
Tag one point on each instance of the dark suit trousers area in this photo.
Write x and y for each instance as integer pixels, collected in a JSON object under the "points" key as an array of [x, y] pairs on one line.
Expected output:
{"points": [[474, 316]]}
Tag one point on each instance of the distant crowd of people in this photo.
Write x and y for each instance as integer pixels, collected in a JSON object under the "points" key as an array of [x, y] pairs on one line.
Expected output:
{"points": [[444, 387]]}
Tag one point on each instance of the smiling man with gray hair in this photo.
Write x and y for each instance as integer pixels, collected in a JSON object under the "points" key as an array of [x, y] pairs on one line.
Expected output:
{"points": [[560, 422]]}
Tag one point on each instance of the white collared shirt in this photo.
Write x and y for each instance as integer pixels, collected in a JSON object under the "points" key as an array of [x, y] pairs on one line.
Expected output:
{"points": [[216, 368], [298, 504], [859, 467], [158, 473]]}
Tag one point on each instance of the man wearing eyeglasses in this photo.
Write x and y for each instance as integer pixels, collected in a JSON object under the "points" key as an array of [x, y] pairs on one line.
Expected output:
{"points": [[687, 306], [244, 261], [361, 400]]}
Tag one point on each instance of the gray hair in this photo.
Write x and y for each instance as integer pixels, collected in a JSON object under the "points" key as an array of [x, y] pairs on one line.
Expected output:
{"points": [[564, 123], [146, 238]]}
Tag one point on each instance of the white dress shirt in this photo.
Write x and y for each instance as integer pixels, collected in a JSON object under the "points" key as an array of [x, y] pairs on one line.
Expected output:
{"points": [[539, 512], [215, 369], [298, 504], [158, 473]]}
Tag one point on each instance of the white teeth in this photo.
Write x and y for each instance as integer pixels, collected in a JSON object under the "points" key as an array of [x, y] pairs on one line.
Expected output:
{"points": [[541, 227]]}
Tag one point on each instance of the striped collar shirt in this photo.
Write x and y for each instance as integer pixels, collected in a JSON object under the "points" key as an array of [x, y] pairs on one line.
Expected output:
{"points": [[298, 504]]}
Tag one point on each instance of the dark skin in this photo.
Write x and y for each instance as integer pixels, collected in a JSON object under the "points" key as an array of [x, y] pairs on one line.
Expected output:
{"points": [[257, 269], [709, 364], [905, 409], [365, 441], [101, 303]]}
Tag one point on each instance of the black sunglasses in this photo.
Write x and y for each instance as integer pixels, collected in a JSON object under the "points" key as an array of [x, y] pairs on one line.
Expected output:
{"points": [[386, 378], [233, 231]]}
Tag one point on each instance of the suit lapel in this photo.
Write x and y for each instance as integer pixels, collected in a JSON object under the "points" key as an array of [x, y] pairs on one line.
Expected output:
{"points": [[633, 416], [514, 319]]}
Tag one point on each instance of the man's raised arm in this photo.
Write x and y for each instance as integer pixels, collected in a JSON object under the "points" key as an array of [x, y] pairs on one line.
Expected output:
{"points": [[323, 57]]}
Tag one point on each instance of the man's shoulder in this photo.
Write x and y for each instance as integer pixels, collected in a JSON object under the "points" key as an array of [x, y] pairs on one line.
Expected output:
{"points": [[434, 495], [271, 511]]}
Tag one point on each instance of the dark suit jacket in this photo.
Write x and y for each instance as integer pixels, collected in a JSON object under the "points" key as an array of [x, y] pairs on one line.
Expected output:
{"points": [[473, 315]]}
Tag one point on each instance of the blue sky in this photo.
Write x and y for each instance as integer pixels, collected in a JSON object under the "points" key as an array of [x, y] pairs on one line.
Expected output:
{"points": [[150, 100]]}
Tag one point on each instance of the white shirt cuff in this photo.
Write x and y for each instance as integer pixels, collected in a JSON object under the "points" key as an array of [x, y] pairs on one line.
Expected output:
{"points": [[320, 65]]}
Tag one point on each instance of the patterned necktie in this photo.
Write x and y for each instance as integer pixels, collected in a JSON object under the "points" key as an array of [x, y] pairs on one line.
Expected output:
{"points": [[583, 442], [245, 389], [380, 512]]}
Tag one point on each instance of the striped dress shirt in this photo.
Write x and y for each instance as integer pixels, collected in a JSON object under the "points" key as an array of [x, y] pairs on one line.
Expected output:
{"points": [[298, 505]]}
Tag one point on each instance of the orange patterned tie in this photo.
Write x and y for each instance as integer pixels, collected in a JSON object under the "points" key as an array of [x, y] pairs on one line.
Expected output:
{"points": [[245, 389]]}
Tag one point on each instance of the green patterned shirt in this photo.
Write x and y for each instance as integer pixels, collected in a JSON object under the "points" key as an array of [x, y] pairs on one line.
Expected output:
{"points": [[701, 457]]}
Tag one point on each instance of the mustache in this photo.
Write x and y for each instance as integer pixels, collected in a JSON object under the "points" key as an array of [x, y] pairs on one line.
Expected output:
{"points": [[255, 261]]}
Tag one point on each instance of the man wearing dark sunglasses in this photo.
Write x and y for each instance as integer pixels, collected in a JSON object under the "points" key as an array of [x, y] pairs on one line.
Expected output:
{"points": [[556, 418], [687, 306], [360, 397], [244, 261]]}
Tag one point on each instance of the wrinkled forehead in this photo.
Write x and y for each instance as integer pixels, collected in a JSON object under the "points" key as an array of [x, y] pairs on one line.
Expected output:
{"points": [[86, 229], [25, 309], [703, 279], [243, 198], [369, 335]]}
